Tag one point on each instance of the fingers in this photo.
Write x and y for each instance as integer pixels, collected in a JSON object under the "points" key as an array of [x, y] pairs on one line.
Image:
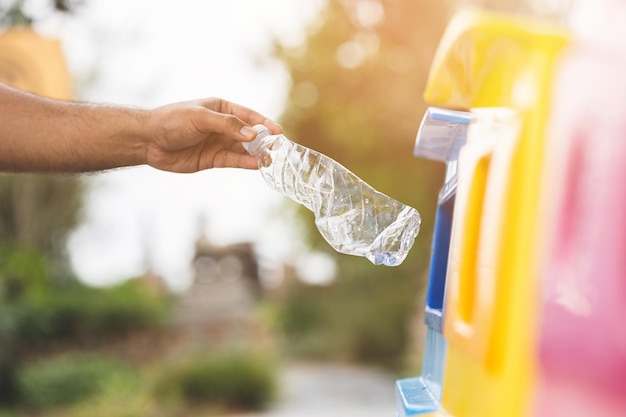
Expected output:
{"points": [[228, 159], [204, 134], [254, 118], [234, 120], [249, 116], [234, 160], [274, 127]]}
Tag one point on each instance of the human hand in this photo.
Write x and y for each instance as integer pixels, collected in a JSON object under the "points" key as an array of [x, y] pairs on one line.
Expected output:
{"points": [[196, 135]]}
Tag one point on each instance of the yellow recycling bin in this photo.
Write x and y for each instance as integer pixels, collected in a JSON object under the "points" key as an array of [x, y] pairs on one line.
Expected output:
{"points": [[500, 68]]}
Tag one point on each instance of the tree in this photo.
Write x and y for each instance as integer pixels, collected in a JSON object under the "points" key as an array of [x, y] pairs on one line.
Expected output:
{"points": [[38, 211], [356, 95]]}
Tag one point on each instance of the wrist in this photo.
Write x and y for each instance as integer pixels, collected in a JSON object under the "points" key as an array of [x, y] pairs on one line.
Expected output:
{"points": [[139, 132]]}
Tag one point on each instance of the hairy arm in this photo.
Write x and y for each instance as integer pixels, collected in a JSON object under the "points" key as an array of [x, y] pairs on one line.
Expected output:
{"points": [[44, 135]]}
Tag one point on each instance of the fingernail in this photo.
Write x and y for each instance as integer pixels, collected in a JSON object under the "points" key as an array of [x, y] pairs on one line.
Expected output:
{"points": [[248, 132]]}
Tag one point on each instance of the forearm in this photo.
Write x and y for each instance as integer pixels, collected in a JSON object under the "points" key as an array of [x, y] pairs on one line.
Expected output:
{"points": [[41, 135]]}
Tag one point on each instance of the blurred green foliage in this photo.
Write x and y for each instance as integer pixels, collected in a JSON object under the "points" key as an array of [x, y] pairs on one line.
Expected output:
{"points": [[192, 383], [72, 379], [81, 311], [36, 307], [361, 318], [356, 96], [237, 380], [37, 310]]}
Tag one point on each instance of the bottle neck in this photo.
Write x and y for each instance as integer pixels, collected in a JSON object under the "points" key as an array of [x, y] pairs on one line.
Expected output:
{"points": [[263, 140]]}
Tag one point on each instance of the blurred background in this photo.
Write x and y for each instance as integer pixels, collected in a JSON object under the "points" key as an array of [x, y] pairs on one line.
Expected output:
{"points": [[137, 292]]}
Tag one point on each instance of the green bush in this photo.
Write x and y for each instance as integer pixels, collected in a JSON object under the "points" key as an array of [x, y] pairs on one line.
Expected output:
{"points": [[8, 413], [38, 308], [359, 317], [77, 310], [238, 380], [69, 380]]}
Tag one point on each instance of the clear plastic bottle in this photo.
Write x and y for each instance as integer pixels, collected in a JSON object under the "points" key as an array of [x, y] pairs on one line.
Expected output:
{"points": [[354, 218]]}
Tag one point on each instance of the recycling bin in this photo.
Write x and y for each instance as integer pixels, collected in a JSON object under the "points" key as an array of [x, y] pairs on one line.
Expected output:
{"points": [[498, 71]]}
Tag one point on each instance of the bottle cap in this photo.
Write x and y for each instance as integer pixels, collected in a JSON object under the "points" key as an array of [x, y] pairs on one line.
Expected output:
{"points": [[253, 146]]}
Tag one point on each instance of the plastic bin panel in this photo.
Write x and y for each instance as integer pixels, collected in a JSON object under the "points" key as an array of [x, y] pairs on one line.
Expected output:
{"points": [[439, 264], [441, 134], [420, 395], [475, 295], [490, 59], [583, 334], [494, 61]]}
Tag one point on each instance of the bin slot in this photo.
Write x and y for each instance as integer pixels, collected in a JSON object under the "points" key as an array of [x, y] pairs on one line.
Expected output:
{"points": [[439, 264]]}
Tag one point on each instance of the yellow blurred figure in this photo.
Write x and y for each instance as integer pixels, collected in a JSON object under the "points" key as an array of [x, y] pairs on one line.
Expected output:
{"points": [[34, 63]]}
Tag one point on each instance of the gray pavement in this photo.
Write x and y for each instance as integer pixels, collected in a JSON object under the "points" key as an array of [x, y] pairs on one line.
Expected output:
{"points": [[316, 390]]}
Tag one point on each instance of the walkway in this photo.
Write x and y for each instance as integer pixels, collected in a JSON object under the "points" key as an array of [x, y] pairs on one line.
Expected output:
{"points": [[313, 390]]}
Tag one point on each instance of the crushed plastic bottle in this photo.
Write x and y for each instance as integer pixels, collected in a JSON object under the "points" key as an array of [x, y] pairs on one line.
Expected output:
{"points": [[353, 217]]}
